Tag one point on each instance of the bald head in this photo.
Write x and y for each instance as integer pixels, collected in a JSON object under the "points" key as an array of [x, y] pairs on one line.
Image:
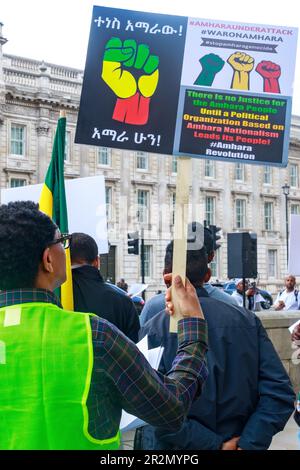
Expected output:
{"points": [[290, 282]]}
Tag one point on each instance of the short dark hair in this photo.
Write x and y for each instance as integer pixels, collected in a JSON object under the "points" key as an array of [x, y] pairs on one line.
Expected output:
{"points": [[83, 248], [25, 232], [208, 241], [196, 264]]}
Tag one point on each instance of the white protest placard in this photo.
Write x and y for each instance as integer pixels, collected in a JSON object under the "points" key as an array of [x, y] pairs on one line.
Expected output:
{"points": [[137, 289], [294, 258], [293, 326], [85, 202]]}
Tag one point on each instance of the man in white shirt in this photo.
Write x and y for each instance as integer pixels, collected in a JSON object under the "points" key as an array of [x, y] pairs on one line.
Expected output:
{"points": [[288, 298], [253, 299]]}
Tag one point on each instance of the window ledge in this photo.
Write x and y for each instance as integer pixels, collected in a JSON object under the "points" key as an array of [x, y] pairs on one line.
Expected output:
{"points": [[270, 233], [14, 156]]}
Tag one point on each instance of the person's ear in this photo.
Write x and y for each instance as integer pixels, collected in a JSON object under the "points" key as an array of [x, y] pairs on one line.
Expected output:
{"points": [[207, 275], [96, 262], [47, 261], [210, 256]]}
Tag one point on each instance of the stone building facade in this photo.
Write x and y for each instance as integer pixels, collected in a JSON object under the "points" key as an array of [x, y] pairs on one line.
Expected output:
{"points": [[140, 187]]}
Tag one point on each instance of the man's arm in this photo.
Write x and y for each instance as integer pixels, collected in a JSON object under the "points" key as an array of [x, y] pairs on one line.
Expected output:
{"points": [[132, 320], [161, 400], [276, 398]]}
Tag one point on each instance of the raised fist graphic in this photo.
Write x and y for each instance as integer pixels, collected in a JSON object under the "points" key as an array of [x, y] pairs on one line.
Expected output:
{"points": [[242, 65], [211, 65], [132, 74], [270, 73]]}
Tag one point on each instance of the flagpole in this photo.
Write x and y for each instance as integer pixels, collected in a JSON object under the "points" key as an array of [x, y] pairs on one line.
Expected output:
{"points": [[67, 288], [53, 201]]}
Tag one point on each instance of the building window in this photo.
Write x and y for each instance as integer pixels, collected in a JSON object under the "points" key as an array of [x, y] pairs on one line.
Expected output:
{"points": [[108, 201], [174, 164], [147, 261], [142, 160], [295, 209], [209, 169], [214, 265], [239, 172], [267, 175], [104, 156], [210, 210], [17, 140], [143, 206], [272, 263], [293, 169], [67, 147], [268, 215], [17, 182], [240, 213]]}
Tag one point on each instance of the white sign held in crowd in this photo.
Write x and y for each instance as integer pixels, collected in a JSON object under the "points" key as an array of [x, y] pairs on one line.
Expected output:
{"points": [[294, 258], [85, 202]]}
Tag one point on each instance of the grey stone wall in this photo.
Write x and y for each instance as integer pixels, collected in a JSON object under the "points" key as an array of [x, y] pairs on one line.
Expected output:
{"points": [[277, 324]]}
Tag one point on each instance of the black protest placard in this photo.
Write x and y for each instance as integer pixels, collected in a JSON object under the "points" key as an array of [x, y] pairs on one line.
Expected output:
{"points": [[233, 127], [132, 80]]}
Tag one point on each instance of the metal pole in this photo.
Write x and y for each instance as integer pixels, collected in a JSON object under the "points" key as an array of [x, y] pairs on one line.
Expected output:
{"points": [[244, 293], [287, 229], [143, 261]]}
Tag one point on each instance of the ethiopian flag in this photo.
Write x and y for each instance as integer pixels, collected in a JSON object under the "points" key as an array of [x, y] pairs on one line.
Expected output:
{"points": [[53, 203]]}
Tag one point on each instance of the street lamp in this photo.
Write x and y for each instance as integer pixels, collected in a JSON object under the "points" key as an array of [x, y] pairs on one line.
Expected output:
{"points": [[286, 192]]}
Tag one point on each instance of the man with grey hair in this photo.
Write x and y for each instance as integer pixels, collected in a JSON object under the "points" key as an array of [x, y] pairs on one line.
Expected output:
{"points": [[287, 299]]}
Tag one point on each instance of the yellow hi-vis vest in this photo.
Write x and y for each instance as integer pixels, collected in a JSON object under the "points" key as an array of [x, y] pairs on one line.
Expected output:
{"points": [[46, 361]]}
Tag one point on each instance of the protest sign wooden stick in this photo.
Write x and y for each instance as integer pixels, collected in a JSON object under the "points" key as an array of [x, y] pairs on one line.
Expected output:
{"points": [[180, 229]]}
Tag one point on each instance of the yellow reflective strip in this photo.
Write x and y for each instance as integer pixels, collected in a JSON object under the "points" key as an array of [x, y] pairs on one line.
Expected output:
{"points": [[117, 438], [66, 289], [2, 353], [12, 316], [46, 201]]}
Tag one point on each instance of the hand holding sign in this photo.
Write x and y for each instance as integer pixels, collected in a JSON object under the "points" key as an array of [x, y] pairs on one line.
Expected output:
{"points": [[132, 74], [187, 299]]}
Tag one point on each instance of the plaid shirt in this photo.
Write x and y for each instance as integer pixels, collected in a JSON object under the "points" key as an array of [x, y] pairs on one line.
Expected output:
{"points": [[122, 378]]}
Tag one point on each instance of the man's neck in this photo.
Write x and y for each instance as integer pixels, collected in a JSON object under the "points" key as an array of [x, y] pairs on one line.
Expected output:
{"points": [[78, 265], [199, 285], [290, 289], [43, 284]]}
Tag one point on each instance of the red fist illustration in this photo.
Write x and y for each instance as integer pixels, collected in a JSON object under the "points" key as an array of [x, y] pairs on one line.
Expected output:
{"points": [[270, 72]]}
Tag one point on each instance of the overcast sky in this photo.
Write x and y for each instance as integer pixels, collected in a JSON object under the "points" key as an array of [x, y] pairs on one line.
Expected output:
{"points": [[57, 30]]}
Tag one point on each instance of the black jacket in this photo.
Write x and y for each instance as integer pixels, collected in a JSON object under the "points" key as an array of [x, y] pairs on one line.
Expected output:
{"points": [[247, 393], [93, 295]]}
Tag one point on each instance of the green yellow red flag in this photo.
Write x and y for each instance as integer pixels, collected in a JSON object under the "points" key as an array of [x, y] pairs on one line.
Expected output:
{"points": [[53, 202]]}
